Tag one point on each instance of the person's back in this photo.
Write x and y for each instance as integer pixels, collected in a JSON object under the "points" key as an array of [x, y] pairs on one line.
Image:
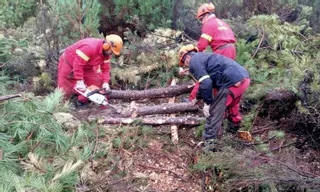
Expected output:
{"points": [[86, 48], [216, 33], [224, 72]]}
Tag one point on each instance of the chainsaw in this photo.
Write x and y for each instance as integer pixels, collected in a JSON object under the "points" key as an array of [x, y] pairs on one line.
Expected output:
{"points": [[96, 95]]}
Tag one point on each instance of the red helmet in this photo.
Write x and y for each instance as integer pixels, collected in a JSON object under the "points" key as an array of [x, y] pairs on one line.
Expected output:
{"points": [[205, 8], [184, 50]]}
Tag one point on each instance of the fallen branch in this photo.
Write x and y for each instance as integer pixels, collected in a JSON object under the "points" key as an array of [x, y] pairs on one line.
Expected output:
{"points": [[261, 40], [300, 172], [151, 93], [7, 97], [281, 146], [150, 121]]}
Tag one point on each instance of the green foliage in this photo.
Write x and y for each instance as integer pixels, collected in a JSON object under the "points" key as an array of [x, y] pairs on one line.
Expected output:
{"points": [[37, 153], [238, 167], [73, 20], [14, 13], [275, 54], [151, 13]]}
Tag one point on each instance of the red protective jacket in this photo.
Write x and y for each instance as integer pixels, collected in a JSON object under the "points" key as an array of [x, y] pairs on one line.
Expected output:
{"points": [[86, 55], [215, 33], [83, 60]]}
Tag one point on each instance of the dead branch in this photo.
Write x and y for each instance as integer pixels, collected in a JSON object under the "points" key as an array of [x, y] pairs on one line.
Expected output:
{"points": [[261, 40], [302, 173], [7, 97]]}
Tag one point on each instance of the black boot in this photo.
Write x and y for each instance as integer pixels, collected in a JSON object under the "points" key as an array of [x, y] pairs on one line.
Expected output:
{"points": [[233, 127], [78, 104], [210, 145]]}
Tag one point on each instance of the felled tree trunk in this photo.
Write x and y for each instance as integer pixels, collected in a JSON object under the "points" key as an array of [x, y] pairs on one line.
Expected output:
{"points": [[151, 93], [7, 97], [167, 108], [152, 121]]}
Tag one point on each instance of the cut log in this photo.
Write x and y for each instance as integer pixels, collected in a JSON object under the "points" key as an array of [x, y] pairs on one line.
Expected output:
{"points": [[151, 121], [167, 108], [7, 97], [151, 93]]}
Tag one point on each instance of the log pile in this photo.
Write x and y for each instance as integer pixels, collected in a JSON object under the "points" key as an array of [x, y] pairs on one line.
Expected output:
{"points": [[150, 115]]}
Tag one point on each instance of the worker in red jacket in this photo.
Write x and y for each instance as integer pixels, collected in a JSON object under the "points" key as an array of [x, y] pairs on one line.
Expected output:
{"points": [[86, 63], [215, 33]]}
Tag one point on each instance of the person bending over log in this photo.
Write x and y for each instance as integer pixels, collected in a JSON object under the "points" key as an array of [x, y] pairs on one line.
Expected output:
{"points": [[230, 79]]}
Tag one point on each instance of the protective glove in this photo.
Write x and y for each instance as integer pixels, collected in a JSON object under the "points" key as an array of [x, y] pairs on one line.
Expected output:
{"points": [[194, 101], [182, 72], [206, 111], [106, 86], [80, 86]]}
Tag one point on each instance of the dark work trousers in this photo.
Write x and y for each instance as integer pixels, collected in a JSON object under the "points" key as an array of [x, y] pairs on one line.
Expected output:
{"points": [[217, 109]]}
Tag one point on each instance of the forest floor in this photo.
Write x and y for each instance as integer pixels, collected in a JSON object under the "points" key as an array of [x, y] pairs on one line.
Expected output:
{"points": [[151, 162]]}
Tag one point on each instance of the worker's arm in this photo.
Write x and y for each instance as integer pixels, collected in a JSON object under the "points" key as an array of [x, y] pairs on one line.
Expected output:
{"points": [[205, 38], [198, 69], [83, 54], [105, 70]]}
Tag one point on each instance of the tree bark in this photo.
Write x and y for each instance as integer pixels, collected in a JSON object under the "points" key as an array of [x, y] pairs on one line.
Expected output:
{"points": [[153, 121], [167, 108], [151, 93], [7, 97]]}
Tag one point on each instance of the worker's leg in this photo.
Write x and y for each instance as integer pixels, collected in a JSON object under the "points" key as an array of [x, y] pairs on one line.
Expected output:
{"points": [[65, 80], [214, 121], [233, 104]]}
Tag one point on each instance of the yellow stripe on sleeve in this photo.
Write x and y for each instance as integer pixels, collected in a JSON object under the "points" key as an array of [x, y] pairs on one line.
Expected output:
{"points": [[206, 36], [203, 78], [82, 55]]}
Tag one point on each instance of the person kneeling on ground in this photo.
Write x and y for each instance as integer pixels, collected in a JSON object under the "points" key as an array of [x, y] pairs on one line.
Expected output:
{"points": [[229, 78], [87, 63]]}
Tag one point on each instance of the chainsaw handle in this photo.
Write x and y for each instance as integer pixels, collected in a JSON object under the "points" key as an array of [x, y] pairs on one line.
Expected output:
{"points": [[98, 91]]}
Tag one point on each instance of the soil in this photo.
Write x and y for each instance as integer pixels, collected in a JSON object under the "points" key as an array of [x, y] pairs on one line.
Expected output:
{"points": [[162, 167]]}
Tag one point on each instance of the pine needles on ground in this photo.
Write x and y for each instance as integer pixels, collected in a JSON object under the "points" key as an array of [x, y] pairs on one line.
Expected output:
{"points": [[37, 153]]}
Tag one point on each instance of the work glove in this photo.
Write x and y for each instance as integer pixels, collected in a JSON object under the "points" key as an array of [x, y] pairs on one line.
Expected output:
{"points": [[80, 86], [182, 72], [106, 86], [206, 111]]}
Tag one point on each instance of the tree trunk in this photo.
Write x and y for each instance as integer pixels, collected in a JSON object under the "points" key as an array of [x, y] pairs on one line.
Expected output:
{"points": [[151, 93], [153, 121], [167, 108], [7, 97], [175, 10]]}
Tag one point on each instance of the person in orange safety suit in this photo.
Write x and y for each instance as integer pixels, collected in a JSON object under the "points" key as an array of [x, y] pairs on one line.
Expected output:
{"points": [[215, 33], [86, 63]]}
